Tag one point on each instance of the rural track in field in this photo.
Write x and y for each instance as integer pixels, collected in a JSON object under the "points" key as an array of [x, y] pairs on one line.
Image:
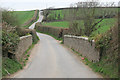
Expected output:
{"points": [[49, 59]]}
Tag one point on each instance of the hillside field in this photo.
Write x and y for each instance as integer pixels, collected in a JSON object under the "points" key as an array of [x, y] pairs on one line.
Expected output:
{"points": [[106, 24], [23, 16]]}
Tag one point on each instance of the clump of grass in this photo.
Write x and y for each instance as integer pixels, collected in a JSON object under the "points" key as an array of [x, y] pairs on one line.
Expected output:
{"points": [[10, 66]]}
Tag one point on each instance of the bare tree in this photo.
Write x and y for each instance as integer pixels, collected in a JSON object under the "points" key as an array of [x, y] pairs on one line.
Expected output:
{"points": [[88, 9], [86, 12]]}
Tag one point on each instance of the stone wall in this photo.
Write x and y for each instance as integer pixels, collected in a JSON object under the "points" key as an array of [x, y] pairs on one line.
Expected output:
{"points": [[83, 46], [24, 43]]}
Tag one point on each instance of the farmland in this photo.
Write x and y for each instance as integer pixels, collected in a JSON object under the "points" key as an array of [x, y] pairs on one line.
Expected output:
{"points": [[106, 24], [64, 24], [23, 16]]}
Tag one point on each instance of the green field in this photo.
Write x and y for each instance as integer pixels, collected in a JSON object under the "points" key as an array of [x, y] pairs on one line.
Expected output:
{"points": [[23, 16], [56, 15], [105, 25], [63, 24]]}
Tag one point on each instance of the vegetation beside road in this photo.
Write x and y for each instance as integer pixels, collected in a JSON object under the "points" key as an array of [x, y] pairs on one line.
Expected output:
{"points": [[10, 66], [26, 55], [106, 70], [11, 32], [106, 44]]}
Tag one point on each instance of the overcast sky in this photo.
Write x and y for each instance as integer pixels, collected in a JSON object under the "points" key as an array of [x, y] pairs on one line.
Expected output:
{"points": [[20, 5]]}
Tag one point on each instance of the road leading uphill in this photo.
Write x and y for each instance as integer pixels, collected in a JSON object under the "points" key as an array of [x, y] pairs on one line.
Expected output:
{"points": [[49, 59], [39, 20]]}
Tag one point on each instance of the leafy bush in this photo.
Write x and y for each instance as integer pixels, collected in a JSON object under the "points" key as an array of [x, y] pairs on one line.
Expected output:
{"points": [[103, 43], [10, 39], [9, 42], [10, 18], [107, 44]]}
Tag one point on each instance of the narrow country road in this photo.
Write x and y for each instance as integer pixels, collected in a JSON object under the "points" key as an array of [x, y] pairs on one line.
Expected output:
{"points": [[39, 20], [49, 59]]}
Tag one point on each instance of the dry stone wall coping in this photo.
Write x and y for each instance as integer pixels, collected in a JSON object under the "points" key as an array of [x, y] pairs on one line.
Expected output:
{"points": [[78, 37], [25, 36]]}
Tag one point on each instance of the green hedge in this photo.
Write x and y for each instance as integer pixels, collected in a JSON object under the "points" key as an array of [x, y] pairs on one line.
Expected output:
{"points": [[58, 32]]}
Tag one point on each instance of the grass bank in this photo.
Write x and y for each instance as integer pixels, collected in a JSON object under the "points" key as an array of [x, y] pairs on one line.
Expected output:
{"points": [[10, 66], [101, 67], [106, 24]]}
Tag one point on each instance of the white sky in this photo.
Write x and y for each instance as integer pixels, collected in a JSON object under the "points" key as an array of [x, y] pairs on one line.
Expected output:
{"points": [[21, 5]]}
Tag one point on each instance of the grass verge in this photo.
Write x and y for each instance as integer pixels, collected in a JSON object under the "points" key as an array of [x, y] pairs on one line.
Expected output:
{"points": [[10, 66], [26, 55], [101, 67]]}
